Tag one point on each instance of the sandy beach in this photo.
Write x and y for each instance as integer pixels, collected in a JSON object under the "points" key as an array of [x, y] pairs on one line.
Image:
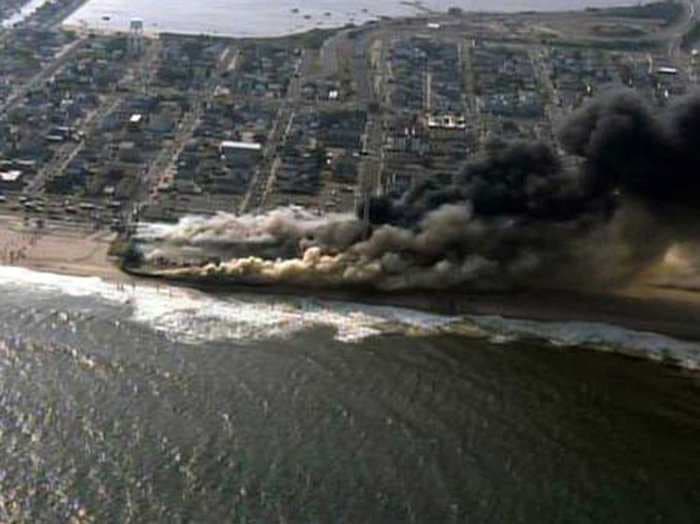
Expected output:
{"points": [[64, 250], [77, 251]]}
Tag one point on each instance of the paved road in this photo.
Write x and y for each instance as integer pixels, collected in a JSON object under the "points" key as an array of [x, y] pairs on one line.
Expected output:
{"points": [[329, 54], [68, 152], [66, 55], [168, 155], [264, 177]]}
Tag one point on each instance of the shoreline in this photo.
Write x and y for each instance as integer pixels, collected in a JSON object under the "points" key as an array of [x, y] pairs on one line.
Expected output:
{"points": [[81, 253], [638, 309], [77, 251], [417, 11], [638, 313]]}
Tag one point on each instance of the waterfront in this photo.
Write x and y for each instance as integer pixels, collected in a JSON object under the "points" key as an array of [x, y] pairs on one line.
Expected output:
{"points": [[247, 18], [123, 400], [116, 408]]}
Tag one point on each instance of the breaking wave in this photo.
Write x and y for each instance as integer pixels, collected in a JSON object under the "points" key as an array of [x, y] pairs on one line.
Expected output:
{"points": [[189, 316], [185, 315], [594, 335]]}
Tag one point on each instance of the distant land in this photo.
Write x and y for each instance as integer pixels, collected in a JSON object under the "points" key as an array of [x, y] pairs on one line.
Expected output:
{"points": [[20, 14], [251, 18]]}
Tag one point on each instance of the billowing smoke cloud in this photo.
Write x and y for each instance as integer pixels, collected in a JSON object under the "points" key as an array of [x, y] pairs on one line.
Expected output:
{"points": [[281, 233], [521, 216]]}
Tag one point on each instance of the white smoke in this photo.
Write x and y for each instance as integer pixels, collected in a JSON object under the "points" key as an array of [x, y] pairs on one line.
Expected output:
{"points": [[449, 247], [332, 251], [226, 228]]}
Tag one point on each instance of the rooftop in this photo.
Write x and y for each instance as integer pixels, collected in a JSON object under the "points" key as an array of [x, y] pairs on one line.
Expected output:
{"points": [[231, 144], [10, 176]]}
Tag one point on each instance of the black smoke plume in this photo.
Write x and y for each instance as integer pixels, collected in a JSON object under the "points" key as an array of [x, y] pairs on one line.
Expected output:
{"points": [[524, 215]]}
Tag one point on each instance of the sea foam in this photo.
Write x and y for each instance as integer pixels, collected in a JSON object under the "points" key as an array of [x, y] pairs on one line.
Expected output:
{"points": [[595, 335], [193, 317], [190, 316]]}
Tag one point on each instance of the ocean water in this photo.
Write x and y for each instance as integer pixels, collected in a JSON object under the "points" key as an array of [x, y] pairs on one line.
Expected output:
{"points": [[167, 405], [251, 18]]}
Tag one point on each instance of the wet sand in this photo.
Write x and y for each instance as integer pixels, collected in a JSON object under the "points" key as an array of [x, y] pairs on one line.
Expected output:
{"points": [[643, 308], [640, 308], [66, 251], [74, 256]]}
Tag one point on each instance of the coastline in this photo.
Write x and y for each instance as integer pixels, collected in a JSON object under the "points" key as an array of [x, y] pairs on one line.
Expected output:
{"points": [[641, 311], [289, 19], [75, 251], [83, 253], [640, 308]]}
